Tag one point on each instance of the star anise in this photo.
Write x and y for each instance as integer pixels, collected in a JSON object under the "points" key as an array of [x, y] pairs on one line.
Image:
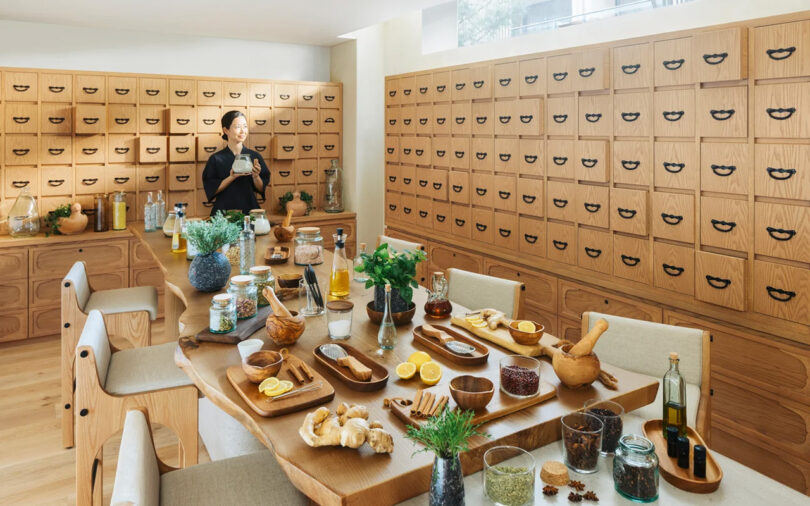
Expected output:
{"points": [[574, 497], [550, 490], [577, 485], [590, 495]]}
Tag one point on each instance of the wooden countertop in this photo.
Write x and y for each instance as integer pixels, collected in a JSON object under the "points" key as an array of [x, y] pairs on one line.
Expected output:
{"points": [[6, 241], [314, 216]]}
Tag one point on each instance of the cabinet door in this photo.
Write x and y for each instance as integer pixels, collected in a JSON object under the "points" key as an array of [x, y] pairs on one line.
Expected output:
{"points": [[722, 112], [721, 55], [725, 223], [720, 279], [595, 250], [632, 259], [724, 168], [443, 257], [52, 262], [673, 62], [632, 114], [782, 50], [674, 113], [673, 216], [674, 268], [632, 162], [632, 66]]}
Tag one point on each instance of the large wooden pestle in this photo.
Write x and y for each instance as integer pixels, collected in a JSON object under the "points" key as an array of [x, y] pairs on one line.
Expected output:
{"points": [[283, 327], [588, 341]]}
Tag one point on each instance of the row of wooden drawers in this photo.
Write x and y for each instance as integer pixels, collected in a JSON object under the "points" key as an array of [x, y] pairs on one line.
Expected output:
{"points": [[513, 117], [52, 87]]}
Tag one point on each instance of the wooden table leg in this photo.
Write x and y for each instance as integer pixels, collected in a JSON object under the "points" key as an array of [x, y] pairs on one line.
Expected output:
{"points": [[174, 308]]}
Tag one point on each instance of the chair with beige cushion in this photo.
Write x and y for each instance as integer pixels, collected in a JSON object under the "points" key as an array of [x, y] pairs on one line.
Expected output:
{"points": [[143, 479], [643, 347], [128, 313], [479, 291], [111, 382], [402, 245], [223, 435]]}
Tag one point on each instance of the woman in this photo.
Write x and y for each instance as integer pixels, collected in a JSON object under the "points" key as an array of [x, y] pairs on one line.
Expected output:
{"points": [[229, 190]]}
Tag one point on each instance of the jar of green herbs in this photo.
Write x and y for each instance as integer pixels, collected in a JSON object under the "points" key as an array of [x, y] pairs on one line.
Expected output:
{"points": [[262, 278], [222, 314], [509, 476]]}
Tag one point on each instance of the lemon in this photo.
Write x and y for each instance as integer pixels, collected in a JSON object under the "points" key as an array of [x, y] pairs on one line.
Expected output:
{"points": [[268, 384], [430, 373], [479, 325], [418, 358], [526, 326], [283, 387], [406, 370], [476, 316]]}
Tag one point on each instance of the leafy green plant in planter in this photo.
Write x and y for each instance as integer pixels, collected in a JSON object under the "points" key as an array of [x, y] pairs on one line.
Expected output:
{"points": [[210, 269], [235, 216], [306, 197], [52, 219], [397, 268]]}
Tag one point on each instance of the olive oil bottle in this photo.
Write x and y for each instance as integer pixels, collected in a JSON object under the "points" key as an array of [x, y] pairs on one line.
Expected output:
{"points": [[674, 397]]}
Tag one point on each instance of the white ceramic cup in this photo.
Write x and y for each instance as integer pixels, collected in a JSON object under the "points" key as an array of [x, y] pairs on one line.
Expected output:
{"points": [[249, 346]]}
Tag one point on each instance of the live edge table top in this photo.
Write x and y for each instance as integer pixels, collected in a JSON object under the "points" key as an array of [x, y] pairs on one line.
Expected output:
{"points": [[335, 475]]}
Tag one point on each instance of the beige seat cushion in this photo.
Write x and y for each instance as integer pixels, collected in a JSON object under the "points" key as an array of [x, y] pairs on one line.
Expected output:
{"points": [[398, 244], [224, 437], [122, 300], [479, 291], [137, 479], [251, 479], [144, 369]]}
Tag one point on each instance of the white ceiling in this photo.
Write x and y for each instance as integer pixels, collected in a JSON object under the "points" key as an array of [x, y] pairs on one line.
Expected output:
{"points": [[317, 22]]}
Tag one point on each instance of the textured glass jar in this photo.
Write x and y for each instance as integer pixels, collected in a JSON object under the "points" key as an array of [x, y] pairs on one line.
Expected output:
{"points": [[243, 289], [168, 225], [23, 218], [635, 469], [261, 226], [262, 278], [308, 246], [334, 189], [222, 314]]}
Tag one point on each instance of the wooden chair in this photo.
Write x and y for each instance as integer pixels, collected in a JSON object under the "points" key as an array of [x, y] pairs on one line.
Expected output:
{"points": [[111, 382], [127, 314], [643, 347], [479, 291], [143, 479], [402, 245]]}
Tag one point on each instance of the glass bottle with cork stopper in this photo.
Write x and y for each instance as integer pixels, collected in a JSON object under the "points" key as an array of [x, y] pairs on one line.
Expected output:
{"points": [[674, 397], [387, 335], [340, 279], [438, 305], [247, 247], [178, 240]]}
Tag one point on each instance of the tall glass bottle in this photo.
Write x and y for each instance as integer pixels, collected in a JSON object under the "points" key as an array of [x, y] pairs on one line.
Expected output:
{"points": [[340, 279], [387, 336], [149, 216], [160, 210], [100, 223], [360, 277], [438, 305], [178, 240], [674, 397], [334, 189], [247, 247]]}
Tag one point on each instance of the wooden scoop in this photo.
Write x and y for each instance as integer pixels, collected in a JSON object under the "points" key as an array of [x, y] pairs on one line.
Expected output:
{"points": [[588, 341]]}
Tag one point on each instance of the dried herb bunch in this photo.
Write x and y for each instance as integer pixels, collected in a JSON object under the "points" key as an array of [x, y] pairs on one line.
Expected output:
{"points": [[446, 434], [209, 236]]}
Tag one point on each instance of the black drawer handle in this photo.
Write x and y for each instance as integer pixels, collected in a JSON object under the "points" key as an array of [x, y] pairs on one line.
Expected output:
{"points": [[209, 94], [630, 164], [56, 182], [505, 157], [772, 171], [718, 283], [480, 155], [559, 118], [179, 93], [625, 213], [120, 180], [440, 153], [181, 149], [530, 79], [781, 53], [460, 119], [392, 207], [209, 149], [423, 214], [481, 191], [673, 64], [259, 148], [478, 84], [589, 162], [260, 96], [20, 151], [306, 173], [715, 58], [481, 227], [505, 119], [505, 81], [437, 186], [630, 116], [88, 90], [631, 69], [440, 121], [56, 151], [89, 151], [406, 121], [56, 89], [780, 234], [559, 160], [457, 188], [480, 119], [671, 219], [153, 150], [405, 92], [531, 239], [423, 121], [93, 180], [673, 115], [561, 203], [407, 180], [21, 119], [393, 179], [526, 118], [19, 184], [308, 122], [721, 114], [504, 232], [330, 98], [208, 204], [407, 210], [284, 96], [182, 179], [422, 182], [56, 120], [262, 122], [780, 113], [152, 179], [593, 252], [208, 121], [587, 72], [459, 154], [440, 218], [328, 147], [671, 270], [390, 151], [673, 168], [723, 170], [529, 199], [122, 151], [125, 91], [630, 261], [121, 121], [560, 245], [287, 149], [460, 86], [593, 117], [440, 88], [152, 93], [504, 195], [530, 158], [780, 295], [407, 151], [559, 76], [285, 122], [21, 87], [423, 90], [153, 121], [460, 222], [592, 207], [723, 226], [284, 173]]}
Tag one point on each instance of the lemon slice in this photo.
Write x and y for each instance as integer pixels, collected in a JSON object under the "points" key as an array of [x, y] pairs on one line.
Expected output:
{"points": [[406, 370], [526, 326], [283, 387], [418, 358], [268, 384], [479, 325], [430, 373], [476, 316]]}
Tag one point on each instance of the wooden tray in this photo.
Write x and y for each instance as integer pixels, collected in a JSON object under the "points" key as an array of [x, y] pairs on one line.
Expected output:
{"points": [[285, 255], [479, 356], [684, 479], [244, 329], [379, 374], [265, 406], [499, 336], [501, 404]]}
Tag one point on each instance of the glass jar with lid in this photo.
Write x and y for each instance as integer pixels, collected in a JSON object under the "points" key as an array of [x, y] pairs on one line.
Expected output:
{"points": [[222, 314], [244, 291], [262, 278], [168, 225], [308, 246], [635, 469], [261, 226]]}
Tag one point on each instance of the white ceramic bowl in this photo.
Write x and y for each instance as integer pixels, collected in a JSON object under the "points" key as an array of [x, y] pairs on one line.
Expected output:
{"points": [[249, 346]]}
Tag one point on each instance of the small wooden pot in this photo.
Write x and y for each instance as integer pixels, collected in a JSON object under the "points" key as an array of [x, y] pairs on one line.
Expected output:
{"points": [[261, 365], [575, 372], [402, 318], [284, 234], [526, 338], [471, 392]]}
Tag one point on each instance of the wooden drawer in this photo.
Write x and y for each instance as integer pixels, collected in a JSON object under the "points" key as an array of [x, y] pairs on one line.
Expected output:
{"points": [[122, 148], [391, 149], [438, 184], [409, 209], [483, 118], [406, 147], [781, 291], [152, 178], [257, 142], [152, 148], [562, 243], [285, 95], [424, 119], [632, 66], [724, 168], [483, 154], [207, 145], [13, 326], [674, 113], [541, 290], [593, 205], [21, 149], [392, 92], [595, 113], [329, 97], [532, 76], [152, 120], [673, 62], [408, 179], [529, 116], [674, 268], [421, 151], [90, 119], [424, 213], [460, 150], [570, 330], [531, 157], [20, 86], [120, 90], [459, 183], [55, 262], [181, 176], [181, 148], [592, 161], [441, 86], [442, 221], [461, 220], [153, 90], [482, 228], [260, 119], [89, 179], [208, 120], [481, 80], [15, 293], [423, 188], [593, 69], [407, 88], [308, 145], [56, 118], [55, 149], [505, 230], [182, 119], [21, 118], [532, 240], [673, 216], [441, 151], [120, 178], [14, 263], [676, 165], [443, 257], [720, 279], [122, 119], [507, 153], [506, 80], [329, 120], [782, 231], [392, 206], [17, 178], [721, 55], [632, 162], [561, 115], [629, 211], [632, 114], [284, 147], [632, 259], [328, 145], [460, 86], [782, 50], [424, 88], [209, 93], [283, 120], [529, 193], [56, 181], [306, 171], [59, 88], [44, 321], [781, 110], [560, 159], [576, 299], [561, 201], [782, 171], [442, 119], [722, 112], [234, 94], [725, 223], [461, 115], [594, 250], [47, 292], [182, 91], [548, 319], [150, 276], [561, 71], [407, 115]]}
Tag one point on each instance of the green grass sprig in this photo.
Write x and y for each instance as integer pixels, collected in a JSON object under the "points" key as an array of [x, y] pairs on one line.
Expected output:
{"points": [[446, 434]]}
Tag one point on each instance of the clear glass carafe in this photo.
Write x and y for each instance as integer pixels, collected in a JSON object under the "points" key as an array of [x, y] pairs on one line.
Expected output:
{"points": [[23, 218], [334, 189], [438, 305]]}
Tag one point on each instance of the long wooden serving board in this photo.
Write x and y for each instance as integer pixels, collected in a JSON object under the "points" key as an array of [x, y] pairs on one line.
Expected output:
{"points": [[267, 406], [479, 356], [499, 336], [684, 479], [244, 329]]}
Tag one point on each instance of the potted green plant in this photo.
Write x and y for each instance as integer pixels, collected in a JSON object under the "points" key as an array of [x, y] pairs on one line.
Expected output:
{"points": [[397, 268], [52, 223], [446, 435], [298, 200], [210, 269]]}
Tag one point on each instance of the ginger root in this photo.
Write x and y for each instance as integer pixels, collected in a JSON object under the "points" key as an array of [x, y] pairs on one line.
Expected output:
{"points": [[494, 318], [349, 428]]}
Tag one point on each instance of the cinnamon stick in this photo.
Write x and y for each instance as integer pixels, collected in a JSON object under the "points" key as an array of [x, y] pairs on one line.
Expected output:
{"points": [[307, 371], [427, 401], [416, 400], [439, 405], [294, 371]]}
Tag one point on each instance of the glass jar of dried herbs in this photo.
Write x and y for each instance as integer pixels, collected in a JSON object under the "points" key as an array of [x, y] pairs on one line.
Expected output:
{"points": [[222, 314], [635, 469], [509, 476]]}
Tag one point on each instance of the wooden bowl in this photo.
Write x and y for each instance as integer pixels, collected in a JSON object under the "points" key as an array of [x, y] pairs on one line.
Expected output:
{"points": [[284, 234], [402, 318], [575, 372], [526, 338], [471, 392], [262, 364], [289, 280]]}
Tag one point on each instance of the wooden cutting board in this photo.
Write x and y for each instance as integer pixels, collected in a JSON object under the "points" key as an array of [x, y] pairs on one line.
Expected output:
{"points": [[244, 329], [499, 336]]}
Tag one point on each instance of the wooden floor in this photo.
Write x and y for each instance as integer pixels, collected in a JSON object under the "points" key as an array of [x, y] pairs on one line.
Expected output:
{"points": [[34, 468]]}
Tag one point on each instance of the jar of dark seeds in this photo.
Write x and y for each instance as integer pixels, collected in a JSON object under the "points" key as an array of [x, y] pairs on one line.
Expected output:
{"points": [[222, 314], [635, 469], [244, 291], [611, 415], [520, 376], [582, 441]]}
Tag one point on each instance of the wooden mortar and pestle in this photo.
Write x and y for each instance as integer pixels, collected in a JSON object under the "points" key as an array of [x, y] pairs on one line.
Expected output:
{"points": [[285, 232], [577, 365], [283, 326]]}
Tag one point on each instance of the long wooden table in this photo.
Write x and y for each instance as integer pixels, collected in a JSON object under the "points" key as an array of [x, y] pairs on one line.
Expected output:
{"points": [[334, 475]]}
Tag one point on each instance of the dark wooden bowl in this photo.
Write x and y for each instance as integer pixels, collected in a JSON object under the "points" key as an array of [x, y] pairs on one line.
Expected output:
{"points": [[289, 280], [471, 392], [262, 364], [526, 338], [402, 318]]}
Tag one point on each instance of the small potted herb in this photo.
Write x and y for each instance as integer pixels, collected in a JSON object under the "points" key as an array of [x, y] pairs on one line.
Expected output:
{"points": [[52, 219], [446, 435], [210, 269], [397, 268], [301, 203]]}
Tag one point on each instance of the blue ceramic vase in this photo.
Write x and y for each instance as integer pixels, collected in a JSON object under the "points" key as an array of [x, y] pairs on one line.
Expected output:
{"points": [[209, 273], [446, 482]]}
